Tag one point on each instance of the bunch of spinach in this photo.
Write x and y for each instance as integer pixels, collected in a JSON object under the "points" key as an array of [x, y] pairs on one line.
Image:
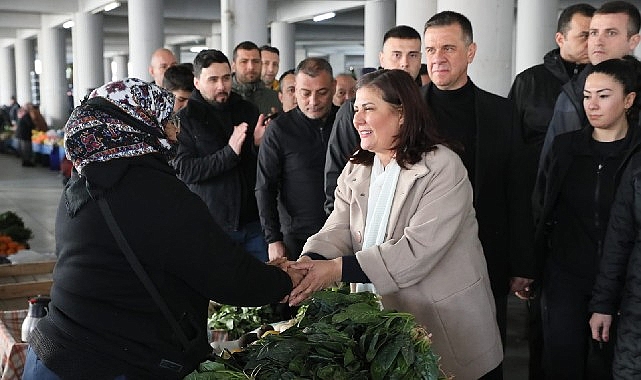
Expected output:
{"points": [[240, 320], [342, 336]]}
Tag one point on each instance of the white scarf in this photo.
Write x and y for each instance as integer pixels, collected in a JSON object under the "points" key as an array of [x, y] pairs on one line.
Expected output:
{"points": [[382, 186]]}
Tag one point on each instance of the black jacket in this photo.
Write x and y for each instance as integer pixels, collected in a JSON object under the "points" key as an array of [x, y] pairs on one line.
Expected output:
{"points": [[102, 322], [291, 164], [209, 166], [568, 148], [343, 141], [618, 284], [506, 239]]}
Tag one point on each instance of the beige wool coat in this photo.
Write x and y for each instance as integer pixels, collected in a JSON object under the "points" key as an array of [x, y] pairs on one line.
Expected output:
{"points": [[431, 263]]}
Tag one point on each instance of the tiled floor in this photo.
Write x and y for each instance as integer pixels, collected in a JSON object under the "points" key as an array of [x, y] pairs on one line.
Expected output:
{"points": [[34, 193]]}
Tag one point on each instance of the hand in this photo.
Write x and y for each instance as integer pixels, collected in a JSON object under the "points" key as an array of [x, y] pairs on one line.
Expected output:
{"points": [[521, 287], [276, 250], [259, 131], [600, 326], [320, 275], [238, 137]]}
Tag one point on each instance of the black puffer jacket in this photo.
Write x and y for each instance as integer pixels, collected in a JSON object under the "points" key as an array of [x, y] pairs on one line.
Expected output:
{"points": [[618, 284], [209, 166], [291, 164]]}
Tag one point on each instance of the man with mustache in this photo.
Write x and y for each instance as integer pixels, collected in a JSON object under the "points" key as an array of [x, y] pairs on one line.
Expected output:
{"points": [[291, 161], [217, 155]]}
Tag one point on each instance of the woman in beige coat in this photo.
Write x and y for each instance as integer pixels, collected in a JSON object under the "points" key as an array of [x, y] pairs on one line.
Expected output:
{"points": [[403, 220]]}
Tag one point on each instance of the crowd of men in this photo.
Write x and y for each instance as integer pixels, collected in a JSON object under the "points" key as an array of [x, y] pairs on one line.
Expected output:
{"points": [[264, 152]]}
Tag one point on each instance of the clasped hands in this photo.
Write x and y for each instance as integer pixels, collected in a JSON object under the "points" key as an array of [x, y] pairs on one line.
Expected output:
{"points": [[308, 276]]}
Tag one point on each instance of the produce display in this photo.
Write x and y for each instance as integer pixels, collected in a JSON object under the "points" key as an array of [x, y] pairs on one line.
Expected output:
{"points": [[13, 234], [337, 336], [237, 321]]}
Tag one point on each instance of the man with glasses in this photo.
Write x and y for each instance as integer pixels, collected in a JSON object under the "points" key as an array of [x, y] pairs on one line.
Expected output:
{"points": [[218, 151]]}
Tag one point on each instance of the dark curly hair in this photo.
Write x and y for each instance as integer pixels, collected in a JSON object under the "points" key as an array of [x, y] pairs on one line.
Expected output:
{"points": [[418, 133]]}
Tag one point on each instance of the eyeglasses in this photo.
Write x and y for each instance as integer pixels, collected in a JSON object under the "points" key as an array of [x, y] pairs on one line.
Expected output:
{"points": [[175, 120]]}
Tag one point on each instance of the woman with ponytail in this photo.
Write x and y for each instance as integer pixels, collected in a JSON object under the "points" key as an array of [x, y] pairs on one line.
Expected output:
{"points": [[578, 188]]}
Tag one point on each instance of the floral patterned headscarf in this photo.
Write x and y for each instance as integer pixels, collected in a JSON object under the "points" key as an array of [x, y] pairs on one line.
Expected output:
{"points": [[124, 118]]}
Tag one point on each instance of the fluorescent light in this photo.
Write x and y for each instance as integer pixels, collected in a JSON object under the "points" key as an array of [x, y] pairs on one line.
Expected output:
{"points": [[324, 16], [197, 49], [111, 6], [68, 24]]}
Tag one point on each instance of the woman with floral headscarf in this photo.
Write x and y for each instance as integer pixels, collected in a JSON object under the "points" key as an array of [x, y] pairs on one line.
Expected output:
{"points": [[102, 322]]}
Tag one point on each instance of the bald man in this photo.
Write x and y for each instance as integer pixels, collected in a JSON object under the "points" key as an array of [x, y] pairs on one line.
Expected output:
{"points": [[161, 59]]}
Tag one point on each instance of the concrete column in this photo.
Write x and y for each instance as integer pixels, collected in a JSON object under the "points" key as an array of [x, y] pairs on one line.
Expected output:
{"points": [[121, 66], [282, 37], [214, 42], [88, 50], [25, 57], [226, 27], [108, 72], [7, 75], [299, 55], [53, 82], [535, 29], [415, 13], [176, 50], [492, 24], [249, 21], [380, 16], [337, 61], [146, 34]]}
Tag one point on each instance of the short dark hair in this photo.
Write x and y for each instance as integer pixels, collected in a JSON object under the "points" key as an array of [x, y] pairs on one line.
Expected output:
{"points": [[280, 80], [403, 32], [179, 77], [245, 45], [634, 18], [418, 132], [206, 58], [566, 16], [270, 49], [627, 72], [447, 18], [313, 66]]}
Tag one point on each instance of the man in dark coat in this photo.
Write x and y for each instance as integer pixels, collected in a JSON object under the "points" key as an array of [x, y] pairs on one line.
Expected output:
{"points": [[291, 161], [217, 153], [480, 123], [401, 50], [534, 93]]}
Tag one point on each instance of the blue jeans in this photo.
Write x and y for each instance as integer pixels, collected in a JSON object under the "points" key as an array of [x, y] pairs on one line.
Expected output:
{"points": [[250, 236], [35, 369]]}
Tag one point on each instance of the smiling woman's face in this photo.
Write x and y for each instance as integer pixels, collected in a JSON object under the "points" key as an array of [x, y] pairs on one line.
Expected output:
{"points": [[378, 122]]}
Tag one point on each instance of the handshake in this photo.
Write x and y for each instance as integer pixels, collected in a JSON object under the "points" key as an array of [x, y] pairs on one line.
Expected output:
{"points": [[308, 276]]}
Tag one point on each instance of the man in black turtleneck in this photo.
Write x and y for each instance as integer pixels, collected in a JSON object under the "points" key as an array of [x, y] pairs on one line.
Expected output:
{"points": [[291, 160], [534, 93], [480, 123]]}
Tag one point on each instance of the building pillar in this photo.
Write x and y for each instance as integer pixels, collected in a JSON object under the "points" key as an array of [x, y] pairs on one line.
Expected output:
{"points": [[25, 56], [535, 29], [249, 21], [282, 37], [108, 72], [146, 34], [89, 71], [380, 16], [7, 75], [53, 82], [415, 13], [120, 66], [337, 61], [492, 25]]}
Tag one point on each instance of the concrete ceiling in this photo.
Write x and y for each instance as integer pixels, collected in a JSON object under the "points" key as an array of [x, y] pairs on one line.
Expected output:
{"points": [[189, 22]]}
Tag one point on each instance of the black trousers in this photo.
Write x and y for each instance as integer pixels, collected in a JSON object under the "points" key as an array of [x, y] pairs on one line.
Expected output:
{"points": [[568, 349]]}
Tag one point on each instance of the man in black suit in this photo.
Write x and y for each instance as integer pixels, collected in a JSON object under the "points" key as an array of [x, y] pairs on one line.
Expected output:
{"points": [[480, 125]]}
